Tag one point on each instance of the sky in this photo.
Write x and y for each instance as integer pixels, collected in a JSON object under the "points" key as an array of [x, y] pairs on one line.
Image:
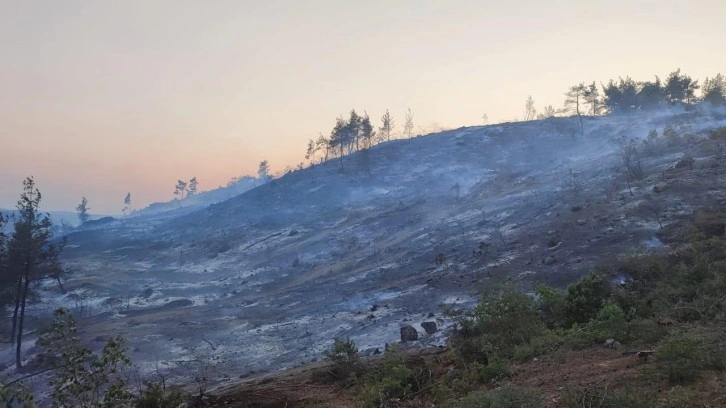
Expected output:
{"points": [[101, 98]]}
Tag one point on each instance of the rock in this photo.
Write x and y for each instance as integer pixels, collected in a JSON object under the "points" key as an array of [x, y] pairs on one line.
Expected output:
{"points": [[661, 187], [686, 162], [550, 260], [581, 222], [431, 315], [408, 333], [612, 344], [430, 327], [576, 208]]}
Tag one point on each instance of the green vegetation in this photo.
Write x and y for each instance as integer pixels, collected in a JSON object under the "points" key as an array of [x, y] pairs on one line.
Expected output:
{"points": [[665, 313]]}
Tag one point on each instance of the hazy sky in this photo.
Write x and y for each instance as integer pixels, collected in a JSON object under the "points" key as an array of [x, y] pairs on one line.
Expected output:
{"points": [[100, 98]]}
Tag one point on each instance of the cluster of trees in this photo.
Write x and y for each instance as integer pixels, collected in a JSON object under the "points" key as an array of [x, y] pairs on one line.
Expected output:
{"points": [[356, 133], [185, 189], [28, 256]]}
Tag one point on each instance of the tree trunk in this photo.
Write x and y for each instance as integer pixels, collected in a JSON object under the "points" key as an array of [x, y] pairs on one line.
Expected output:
{"points": [[21, 320], [15, 312]]}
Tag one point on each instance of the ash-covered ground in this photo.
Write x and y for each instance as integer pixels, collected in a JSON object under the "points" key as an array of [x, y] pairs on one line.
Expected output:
{"points": [[396, 235]]}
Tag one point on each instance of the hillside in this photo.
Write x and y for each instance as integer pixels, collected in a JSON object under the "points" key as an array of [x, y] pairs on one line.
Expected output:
{"points": [[399, 235]]}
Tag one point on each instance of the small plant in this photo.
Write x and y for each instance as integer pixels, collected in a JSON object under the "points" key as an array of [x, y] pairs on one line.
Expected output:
{"points": [[680, 358], [83, 379], [16, 395], [344, 356]]}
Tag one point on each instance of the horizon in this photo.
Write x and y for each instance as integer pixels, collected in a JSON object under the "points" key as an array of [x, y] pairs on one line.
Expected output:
{"points": [[103, 99]]}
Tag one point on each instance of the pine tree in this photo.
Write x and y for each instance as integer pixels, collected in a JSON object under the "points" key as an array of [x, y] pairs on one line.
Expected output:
{"points": [[680, 88], [263, 170], [82, 210], [387, 126], [366, 131], [180, 189], [31, 256], [408, 125], [574, 101], [714, 90], [192, 189], [591, 94], [530, 112], [127, 204]]}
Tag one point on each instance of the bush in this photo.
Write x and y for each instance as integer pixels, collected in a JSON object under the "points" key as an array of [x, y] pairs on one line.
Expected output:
{"points": [[344, 356], [551, 304], [396, 382], [680, 358], [157, 395], [16, 395], [546, 343], [584, 298], [507, 319], [83, 379]]}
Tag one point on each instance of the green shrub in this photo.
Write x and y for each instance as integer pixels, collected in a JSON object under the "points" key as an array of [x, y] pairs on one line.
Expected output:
{"points": [[81, 378], [544, 344], [16, 394], [508, 318], [157, 395], [396, 382], [584, 298], [344, 356], [680, 358], [551, 304]]}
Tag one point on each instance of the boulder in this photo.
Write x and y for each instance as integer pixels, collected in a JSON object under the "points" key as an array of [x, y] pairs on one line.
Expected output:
{"points": [[550, 260], [581, 222], [408, 333], [612, 344], [661, 187], [430, 327], [686, 162]]}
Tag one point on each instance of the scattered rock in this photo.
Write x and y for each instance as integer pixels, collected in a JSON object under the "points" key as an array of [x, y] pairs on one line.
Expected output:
{"points": [[373, 308], [612, 344], [581, 222], [686, 162], [553, 242], [576, 208], [430, 327], [431, 315], [178, 303], [661, 187], [408, 333], [549, 260]]}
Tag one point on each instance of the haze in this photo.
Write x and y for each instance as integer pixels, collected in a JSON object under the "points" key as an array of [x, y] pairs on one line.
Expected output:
{"points": [[102, 98]]}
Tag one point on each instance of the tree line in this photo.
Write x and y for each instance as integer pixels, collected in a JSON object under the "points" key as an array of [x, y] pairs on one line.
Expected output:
{"points": [[354, 133]]}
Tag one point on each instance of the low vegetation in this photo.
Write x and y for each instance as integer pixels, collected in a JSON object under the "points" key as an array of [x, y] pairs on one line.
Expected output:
{"points": [[664, 313]]}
